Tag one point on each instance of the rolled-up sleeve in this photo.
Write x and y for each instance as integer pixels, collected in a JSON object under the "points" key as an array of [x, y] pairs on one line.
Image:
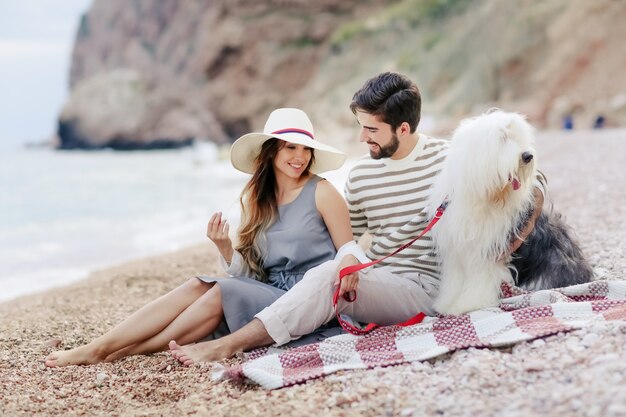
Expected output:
{"points": [[237, 267]]}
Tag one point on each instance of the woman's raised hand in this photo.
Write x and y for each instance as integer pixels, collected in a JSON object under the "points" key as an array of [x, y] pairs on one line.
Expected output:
{"points": [[217, 231]]}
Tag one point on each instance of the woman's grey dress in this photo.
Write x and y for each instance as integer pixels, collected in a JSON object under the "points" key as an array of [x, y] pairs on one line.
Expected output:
{"points": [[298, 241]]}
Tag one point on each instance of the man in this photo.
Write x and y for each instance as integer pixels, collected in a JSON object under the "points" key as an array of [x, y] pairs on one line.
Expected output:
{"points": [[387, 193]]}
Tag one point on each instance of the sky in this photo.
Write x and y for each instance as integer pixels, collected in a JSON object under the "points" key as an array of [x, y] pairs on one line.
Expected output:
{"points": [[36, 38]]}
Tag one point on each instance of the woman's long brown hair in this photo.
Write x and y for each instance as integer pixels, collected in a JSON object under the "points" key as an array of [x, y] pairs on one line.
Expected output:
{"points": [[259, 207]]}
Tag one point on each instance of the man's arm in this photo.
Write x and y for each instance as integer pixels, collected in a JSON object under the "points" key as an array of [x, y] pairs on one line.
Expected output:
{"points": [[351, 253], [358, 220]]}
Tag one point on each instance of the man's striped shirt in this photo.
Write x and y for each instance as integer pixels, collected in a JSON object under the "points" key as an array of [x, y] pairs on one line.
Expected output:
{"points": [[387, 198]]}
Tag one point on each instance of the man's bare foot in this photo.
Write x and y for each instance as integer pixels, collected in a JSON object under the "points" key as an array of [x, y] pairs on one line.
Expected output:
{"points": [[213, 350], [83, 355]]}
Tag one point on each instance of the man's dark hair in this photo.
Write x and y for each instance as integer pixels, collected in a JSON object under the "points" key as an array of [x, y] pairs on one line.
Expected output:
{"points": [[392, 97]]}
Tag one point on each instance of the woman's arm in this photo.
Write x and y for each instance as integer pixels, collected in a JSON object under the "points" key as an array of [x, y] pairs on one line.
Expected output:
{"points": [[334, 212], [237, 267]]}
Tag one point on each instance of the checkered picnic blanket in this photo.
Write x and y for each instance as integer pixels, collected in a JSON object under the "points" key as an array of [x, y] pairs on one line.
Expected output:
{"points": [[521, 316]]}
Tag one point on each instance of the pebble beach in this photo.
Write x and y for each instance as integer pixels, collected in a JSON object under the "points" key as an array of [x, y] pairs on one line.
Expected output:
{"points": [[579, 373]]}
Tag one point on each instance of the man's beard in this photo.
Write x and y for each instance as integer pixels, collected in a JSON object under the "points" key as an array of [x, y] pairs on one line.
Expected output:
{"points": [[388, 150]]}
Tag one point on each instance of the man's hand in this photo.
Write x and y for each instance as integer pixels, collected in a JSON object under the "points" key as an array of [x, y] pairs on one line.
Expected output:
{"points": [[217, 231], [350, 282]]}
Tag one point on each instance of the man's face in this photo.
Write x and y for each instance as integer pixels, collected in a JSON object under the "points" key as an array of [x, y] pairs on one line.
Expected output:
{"points": [[381, 139]]}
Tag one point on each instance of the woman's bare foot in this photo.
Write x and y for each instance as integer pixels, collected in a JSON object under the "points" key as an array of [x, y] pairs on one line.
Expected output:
{"points": [[122, 353], [210, 351], [83, 355]]}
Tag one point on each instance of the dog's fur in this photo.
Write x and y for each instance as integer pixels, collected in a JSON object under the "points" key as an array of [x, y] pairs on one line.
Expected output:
{"points": [[489, 177]]}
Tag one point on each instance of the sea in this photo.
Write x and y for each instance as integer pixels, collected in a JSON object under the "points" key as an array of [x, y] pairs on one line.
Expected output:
{"points": [[64, 214]]}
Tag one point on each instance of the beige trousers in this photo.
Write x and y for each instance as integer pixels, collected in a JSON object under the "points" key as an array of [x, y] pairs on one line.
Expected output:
{"points": [[382, 297]]}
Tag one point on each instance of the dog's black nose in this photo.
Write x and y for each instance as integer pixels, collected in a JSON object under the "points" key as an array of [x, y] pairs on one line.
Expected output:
{"points": [[527, 157]]}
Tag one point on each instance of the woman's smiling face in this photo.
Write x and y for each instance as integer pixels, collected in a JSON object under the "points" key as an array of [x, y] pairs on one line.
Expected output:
{"points": [[292, 160]]}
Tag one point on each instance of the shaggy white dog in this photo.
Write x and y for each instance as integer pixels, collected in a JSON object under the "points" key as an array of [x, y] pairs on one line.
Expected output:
{"points": [[489, 178]]}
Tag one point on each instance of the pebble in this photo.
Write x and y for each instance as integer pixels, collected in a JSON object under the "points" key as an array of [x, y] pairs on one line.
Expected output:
{"points": [[533, 365], [589, 339], [54, 343], [574, 345], [607, 358], [101, 377], [601, 273], [537, 343], [471, 363], [616, 409]]}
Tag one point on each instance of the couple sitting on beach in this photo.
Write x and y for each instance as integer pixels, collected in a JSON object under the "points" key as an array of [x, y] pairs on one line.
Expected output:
{"points": [[297, 233]]}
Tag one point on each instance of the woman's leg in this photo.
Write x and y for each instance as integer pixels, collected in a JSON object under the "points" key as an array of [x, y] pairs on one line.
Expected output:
{"points": [[198, 321], [138, 327]]}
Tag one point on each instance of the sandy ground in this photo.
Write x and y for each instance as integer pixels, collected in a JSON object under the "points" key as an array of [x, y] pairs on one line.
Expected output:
{"points": [[578, 373]]}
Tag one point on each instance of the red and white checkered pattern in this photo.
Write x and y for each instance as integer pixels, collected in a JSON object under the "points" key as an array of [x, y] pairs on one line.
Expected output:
{"points": [[521, 316]]}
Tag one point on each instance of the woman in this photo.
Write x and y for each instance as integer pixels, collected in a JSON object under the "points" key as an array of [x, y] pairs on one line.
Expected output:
{"points": [[292, 221]]}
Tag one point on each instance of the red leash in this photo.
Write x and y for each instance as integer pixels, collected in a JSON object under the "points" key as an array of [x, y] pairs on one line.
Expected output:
{"points": [[355, 268]]}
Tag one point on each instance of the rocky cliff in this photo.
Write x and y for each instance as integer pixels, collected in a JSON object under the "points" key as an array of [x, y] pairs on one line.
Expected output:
{"points": [[149, 73]]}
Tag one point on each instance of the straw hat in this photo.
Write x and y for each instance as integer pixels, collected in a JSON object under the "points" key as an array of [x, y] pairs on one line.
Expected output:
{"points": [[290, 125]]}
